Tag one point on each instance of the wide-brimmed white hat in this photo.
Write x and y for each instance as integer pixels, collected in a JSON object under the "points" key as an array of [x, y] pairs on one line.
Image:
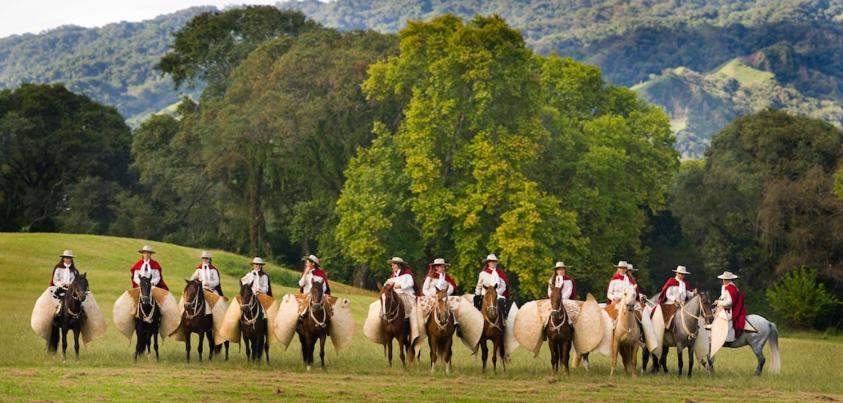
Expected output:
{"points": [[727, 275], [146, 248], [440, 262], [630, 267], [205, 255], [561, 265], [312, 258], [681, 270], [622, 263], [67, 253], [397, 260], [491, 258], [258, 260]]}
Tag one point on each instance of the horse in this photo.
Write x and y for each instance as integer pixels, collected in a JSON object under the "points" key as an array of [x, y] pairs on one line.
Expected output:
{"points": [[314, 325], [147, 320], [194, 320], [559, 331], [71, 316], [683, 332], [627, 334], [394, 325], [440, 331], [493, 323], [253, 324], [766, 331]]}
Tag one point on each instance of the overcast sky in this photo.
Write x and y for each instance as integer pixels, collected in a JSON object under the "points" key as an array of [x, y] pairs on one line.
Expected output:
{"points": [[21, 16]]}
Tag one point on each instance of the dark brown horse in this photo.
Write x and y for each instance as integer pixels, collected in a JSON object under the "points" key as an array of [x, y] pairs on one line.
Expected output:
{"points": [[493, 323], [314, 325], [253, 324], [440, 331], [70, 317], [194, 320], [559, 331], [147, 320], [394, 325]]}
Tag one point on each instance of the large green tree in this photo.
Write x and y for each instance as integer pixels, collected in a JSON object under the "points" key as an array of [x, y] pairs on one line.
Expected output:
{"points": [[56, 146], [503, 151]]}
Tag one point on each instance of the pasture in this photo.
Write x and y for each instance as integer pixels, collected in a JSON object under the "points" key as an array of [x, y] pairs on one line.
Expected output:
{"points": [[811, 366]]}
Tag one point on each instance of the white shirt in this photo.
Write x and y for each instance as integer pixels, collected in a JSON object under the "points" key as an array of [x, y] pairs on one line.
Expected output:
{"points": [[431, 285], [405, 283], [725, 299], [490, 279], [146, 270], [259, 286], [304, 283], [567, 287], [676, 293], [63, 277], [209, 277], [616, 288]]}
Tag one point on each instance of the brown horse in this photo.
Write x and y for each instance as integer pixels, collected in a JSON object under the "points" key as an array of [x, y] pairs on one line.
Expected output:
{"points": [[493, 324], [395, 325], [440, 331], [194, 320], [70, 317], [314, 326], [559, 331], [253, 324]]}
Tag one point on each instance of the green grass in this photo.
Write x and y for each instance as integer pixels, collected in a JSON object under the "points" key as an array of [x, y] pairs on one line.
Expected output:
{"points": [[746, 75], [106, 372]]}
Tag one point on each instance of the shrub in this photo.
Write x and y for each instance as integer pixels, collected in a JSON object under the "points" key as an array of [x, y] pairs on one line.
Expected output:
{"points": [[799, 298]]}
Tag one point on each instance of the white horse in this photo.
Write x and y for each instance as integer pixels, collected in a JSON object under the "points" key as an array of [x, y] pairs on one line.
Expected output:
{"points": [[766, 331]]}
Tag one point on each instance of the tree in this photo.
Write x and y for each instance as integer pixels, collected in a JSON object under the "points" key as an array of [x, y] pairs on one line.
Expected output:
{"points": [[800, 299], [50, 140], [212, 44]]}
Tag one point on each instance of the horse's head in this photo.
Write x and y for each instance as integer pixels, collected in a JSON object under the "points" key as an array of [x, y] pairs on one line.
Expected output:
{"points": [[317, 295], [78, 289], [705, 303], [145, 290], [490, 301], [555, 298], [246, 295], [193, 294], [628, 299]]}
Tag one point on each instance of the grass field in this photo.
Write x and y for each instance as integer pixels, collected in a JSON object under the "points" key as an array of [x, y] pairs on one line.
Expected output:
{"points": [[811, 368]]}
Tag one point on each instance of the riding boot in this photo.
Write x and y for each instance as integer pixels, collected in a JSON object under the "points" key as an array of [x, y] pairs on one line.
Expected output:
{"points": [[503, 305], [478, 302]]}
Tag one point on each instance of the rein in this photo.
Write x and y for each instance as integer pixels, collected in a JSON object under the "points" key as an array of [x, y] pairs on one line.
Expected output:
{"points": [[146, 317], [388, 314], [253, 309], [324, 321], [447, 317], [489, 310], [75, 297], [193, 306], [562, 312]]}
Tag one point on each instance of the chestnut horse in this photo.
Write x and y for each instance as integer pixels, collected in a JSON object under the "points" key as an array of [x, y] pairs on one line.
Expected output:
{"points": [[440, 331], [395, 325], [559, 331], [70, 317], [253, 324], [194, 320], [314, 325], [493, 323]]}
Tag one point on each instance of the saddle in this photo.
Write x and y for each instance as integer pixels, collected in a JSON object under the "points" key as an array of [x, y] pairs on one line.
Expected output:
{"points": [[303, 301], [668, 311]]}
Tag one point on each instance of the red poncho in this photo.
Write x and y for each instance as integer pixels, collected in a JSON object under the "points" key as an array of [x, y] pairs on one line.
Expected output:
{"points": [[738, 309], [672, 282], [503, 277], [317, 272], [152, 265]]}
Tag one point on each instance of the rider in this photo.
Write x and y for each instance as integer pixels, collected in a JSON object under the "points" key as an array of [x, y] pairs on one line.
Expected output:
{"points": [[149, 268], [492, 275], [676, 289], [258, 278], [63, 274], [569, 288], [731, 299], [313, 272], [208, 274], [437, 279], [620, 282]]}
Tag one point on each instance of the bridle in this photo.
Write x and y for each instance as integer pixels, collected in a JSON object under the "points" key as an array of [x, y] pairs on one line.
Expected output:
{"points": [[492, 310], [78, 294], [446, 313], [390, 313], [146, 299], [321, 305], [195, 305], [691, 335], [558, 312], [251, 312]]}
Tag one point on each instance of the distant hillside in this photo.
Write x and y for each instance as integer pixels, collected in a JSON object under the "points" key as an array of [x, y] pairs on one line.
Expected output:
{"points": [[113, 64]]}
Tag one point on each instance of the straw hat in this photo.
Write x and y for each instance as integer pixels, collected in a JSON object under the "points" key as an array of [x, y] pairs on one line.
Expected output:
{"points": [[258, 260], [440, 262], [205, 255], [313, 259], [630, 267], [146, 248], [623, 264], [727, 275], [397, 260], [561, 265], [67, 253], [681, 270], [490, 258]]}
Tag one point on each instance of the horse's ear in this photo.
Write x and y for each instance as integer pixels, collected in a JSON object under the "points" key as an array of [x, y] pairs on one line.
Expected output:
{"points": [[380, 286], [85, 275]]}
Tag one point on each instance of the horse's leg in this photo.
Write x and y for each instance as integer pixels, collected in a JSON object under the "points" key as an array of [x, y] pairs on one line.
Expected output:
{"points": [[64, 343], [303, 342], [322, 349], [554, 354], [226, 349], [484, 353], [211, 343], [679, 358], [265, 337], [645, 359], [388, 347], [432, 345], [201, 342], [76, 342], [663, 360], [690, 359], [449, 344], [614, 357], [566, 354], [759, 354], [495, 346], [186, 334], [402, 346]]}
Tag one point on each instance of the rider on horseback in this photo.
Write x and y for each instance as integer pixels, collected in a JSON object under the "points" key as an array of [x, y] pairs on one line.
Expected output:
{"points": [[731, 299], [620, 282], [313, 272], [560, 279], [208, 274], [493, 275], [63, 275], [437, 279], [676, 290], [149, 268], [258, 278]]}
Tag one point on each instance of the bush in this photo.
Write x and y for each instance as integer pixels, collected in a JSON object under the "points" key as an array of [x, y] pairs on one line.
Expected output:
{"points": [[800, 299]]}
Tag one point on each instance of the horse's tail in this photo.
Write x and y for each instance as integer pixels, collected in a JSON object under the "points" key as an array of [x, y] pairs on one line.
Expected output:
{"points": [[53, 343], [776, 359]]}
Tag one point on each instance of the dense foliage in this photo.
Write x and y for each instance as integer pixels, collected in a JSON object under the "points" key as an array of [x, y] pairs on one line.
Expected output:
{"points": [[800, 299]]}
